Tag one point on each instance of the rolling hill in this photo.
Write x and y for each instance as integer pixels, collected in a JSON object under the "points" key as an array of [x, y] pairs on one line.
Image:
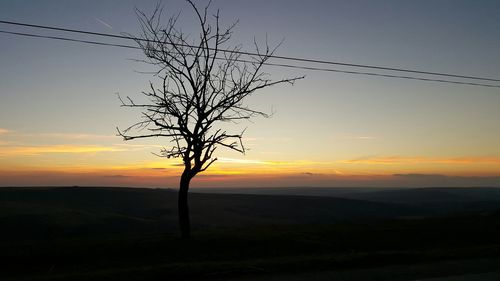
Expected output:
{"points": [[92, 233]]}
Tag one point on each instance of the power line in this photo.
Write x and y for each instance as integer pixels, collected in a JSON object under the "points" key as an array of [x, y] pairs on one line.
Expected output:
{"points": [[69, 39], [256, 54], [386, 75], [269, 64]]}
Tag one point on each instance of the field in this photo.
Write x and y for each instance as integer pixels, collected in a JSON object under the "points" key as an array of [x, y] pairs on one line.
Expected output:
{"points": [[83, 233]]}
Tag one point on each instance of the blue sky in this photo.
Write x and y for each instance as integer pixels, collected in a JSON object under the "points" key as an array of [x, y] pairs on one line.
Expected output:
{"points": [[326, 124]]}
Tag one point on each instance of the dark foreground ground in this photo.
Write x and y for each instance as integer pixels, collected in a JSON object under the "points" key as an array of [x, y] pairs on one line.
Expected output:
{"points": [[130, 234]]}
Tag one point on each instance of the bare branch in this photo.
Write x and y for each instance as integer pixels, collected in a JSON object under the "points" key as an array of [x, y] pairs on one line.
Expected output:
{"points": [[200, 87]]}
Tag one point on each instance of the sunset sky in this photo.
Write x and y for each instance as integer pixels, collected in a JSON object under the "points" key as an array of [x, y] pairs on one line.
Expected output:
{"points": [[59, 108]]}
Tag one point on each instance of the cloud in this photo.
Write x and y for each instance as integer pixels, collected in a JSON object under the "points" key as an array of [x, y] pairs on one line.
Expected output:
{"points": [[421, 176], [104, 23], [66, 136], [73, 136], [395, 160], [240, 161], [429, 180], [84, 178], [384, 160], [37, 150], [418, 175], [466, 160], [311, 174], [141, 145], [116, 176], [140, 177]]}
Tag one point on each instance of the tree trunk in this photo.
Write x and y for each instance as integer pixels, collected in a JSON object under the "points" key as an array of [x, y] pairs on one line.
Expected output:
{"points": [[183, 207]]}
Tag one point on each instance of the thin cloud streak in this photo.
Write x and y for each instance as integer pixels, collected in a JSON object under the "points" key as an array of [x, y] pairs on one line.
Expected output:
{"points": [[98, 178], [71, 136], [38, 150], [104, 23], [168, 177], [397, 160], [241, 161]]}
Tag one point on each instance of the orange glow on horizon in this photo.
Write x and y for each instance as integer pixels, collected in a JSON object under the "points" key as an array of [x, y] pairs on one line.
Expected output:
{"points": [[99, 160], [261, 173], [393, 160]]}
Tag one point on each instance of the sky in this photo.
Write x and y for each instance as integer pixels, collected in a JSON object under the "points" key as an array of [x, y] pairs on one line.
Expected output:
{"points": [[59, 108]]}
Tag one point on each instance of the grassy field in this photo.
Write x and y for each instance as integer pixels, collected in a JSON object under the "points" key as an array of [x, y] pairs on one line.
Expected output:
{"points": [[131, 234]]}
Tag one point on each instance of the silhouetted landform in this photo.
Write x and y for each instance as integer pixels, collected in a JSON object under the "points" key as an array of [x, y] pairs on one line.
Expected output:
{"points": [[82, 233], [436, 201], [77, 209], [424, 194]]}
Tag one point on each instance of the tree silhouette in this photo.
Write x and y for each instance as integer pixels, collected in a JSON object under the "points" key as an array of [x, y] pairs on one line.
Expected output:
{"points": [[204, 83]]}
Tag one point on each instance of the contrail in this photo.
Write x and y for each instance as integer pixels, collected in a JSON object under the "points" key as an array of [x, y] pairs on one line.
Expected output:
{"points": [[104, 23]]}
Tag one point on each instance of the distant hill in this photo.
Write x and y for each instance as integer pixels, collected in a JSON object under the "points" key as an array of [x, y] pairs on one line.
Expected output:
{"points": [[32, 211], [438, 201], [42, 212], [430, 195], [443, 201], [305, 191], [92, 233], [399, 195]]}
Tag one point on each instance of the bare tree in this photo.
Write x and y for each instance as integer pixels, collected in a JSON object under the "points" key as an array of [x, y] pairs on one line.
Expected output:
{"points": [[204, 82]]}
